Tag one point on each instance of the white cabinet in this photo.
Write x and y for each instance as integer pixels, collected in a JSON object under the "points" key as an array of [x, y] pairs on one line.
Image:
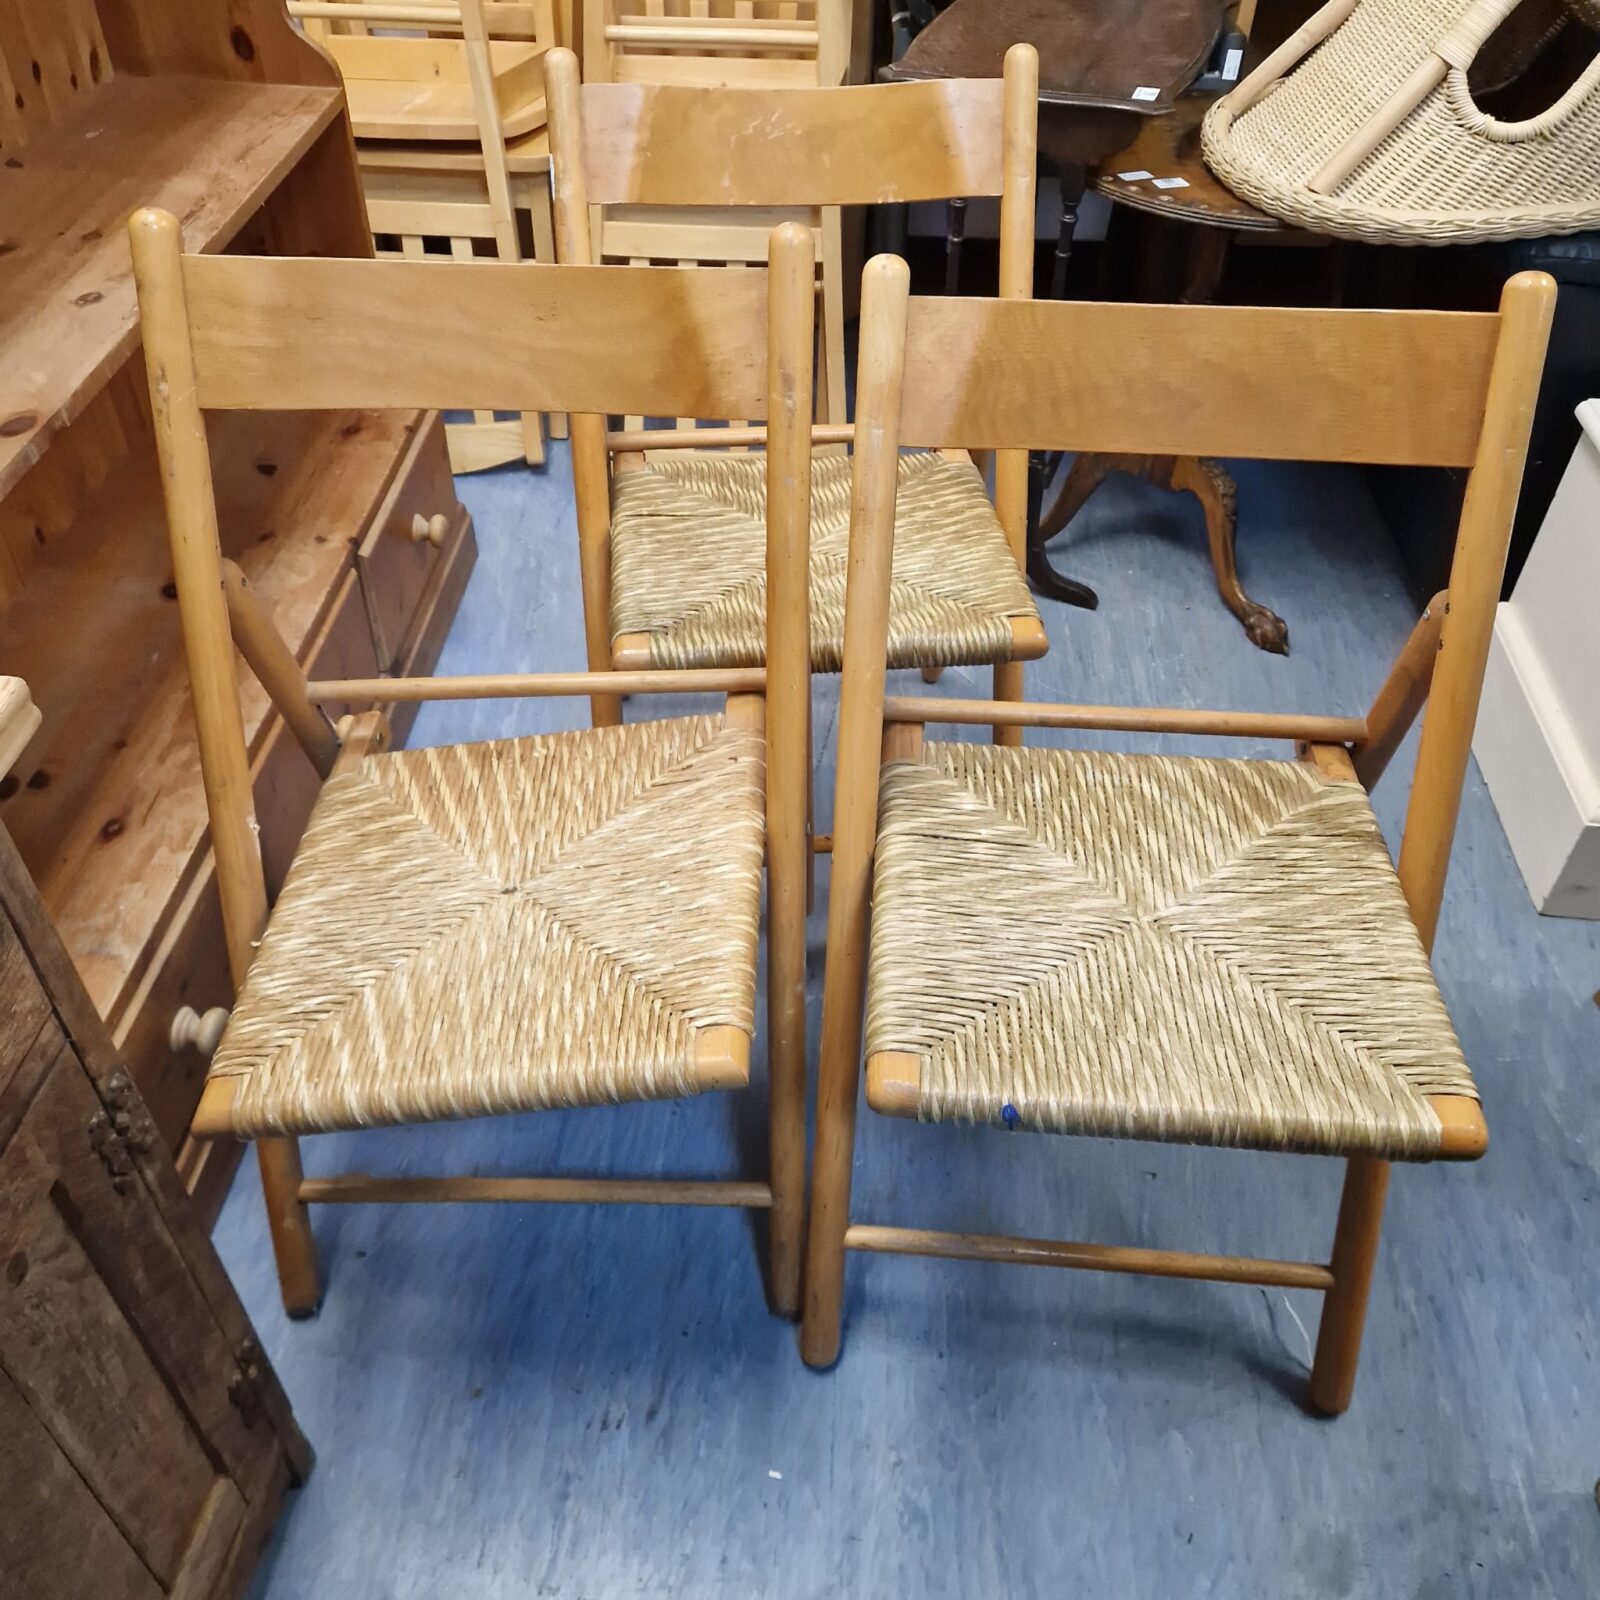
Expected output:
{"points": [[1538, 738]]}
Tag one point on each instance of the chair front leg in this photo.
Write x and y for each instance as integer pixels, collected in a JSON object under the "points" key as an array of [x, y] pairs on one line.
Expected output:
{"points": [[293, 1244], [1344, 1308]]}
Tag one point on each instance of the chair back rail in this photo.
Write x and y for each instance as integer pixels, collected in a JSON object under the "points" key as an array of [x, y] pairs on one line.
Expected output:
{"points": [[1402, 387], [307, 334], [662, 145]]}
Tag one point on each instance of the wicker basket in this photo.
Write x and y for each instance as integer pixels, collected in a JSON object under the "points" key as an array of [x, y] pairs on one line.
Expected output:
{"points": [[1364, 125]]}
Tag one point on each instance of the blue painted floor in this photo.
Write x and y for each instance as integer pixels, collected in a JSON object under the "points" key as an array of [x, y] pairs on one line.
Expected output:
{"points": [[591, 1402]]}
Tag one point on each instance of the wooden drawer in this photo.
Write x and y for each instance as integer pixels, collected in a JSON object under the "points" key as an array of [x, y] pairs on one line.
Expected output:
{"points": [[396, 569], [189, 965]]}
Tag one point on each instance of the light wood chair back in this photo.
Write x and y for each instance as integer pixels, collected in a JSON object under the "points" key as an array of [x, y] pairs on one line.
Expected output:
{"points": [[1425, 388], [226, 332], [661, 145]]}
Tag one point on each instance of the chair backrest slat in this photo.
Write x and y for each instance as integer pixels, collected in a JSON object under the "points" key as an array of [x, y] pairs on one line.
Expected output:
{"points": [[663, 145], [274, 335], [1371, 386]]}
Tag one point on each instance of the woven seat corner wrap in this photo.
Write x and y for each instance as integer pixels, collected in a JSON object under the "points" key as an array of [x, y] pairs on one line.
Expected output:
{"points": [[503, 927], [1450, 173], [688, 563], [1152, 947]]}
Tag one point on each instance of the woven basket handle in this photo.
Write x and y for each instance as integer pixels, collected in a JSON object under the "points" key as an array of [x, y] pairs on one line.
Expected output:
{"points": [[1456, 48], [1460, 47]]}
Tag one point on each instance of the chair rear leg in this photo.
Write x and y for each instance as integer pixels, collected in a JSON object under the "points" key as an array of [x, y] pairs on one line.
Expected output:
{"points": [[1344, 1309], [786, 1066], [293, 1245], [1008, 686]]}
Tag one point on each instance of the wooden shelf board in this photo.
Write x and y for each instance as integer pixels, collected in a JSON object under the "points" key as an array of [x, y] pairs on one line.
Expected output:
{"points": [[110, 813], [207, 150]]}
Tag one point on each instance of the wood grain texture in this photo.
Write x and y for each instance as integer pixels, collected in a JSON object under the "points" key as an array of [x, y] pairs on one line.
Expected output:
{"points": [[274, 335], [144, 1441], [988, 1430], [663, 145], [1078, 376], [208, 151], [67, 1346], [54, 1529]]}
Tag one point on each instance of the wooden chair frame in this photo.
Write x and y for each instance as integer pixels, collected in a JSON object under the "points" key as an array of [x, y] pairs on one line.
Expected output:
{"points": [[1128, 379], [652, 144], [224, 332]]}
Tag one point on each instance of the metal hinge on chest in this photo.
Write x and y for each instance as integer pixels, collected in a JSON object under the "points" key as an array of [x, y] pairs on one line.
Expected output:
{"points": [[121, 1130], [245, 1389]]}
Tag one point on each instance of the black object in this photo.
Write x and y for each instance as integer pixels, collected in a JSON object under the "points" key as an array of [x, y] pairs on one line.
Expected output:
{"points": [[1422, 506]]}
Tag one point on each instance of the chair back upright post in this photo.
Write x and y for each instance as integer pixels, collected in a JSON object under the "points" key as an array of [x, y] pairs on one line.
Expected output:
{"points": [[1477, 569], [191, 504], [1018, 205], [880, 371], [791, 345], [591, 469]]}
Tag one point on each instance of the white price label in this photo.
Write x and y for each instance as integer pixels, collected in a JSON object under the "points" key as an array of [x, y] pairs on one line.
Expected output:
{"points": [[1146, 94]]}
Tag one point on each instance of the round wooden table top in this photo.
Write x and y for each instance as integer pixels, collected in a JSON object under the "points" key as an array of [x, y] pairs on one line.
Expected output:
{"points": [[1169, 147]]}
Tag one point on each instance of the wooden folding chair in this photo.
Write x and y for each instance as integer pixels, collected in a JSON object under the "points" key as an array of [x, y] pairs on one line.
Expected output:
{"points": [[527, 923], [416, 89], [1157, 947], [671, 550]]}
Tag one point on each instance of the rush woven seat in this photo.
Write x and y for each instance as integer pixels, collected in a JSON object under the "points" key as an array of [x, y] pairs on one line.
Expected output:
{"points": [[1153, 947], [688, 553], [509, 926], [1365, 125]]}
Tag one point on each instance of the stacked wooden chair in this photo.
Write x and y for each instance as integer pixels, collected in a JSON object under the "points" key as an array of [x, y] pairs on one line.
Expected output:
{"points": [[672, 548], [444, 102], [527, 923], [722, 44], [1212, 951]]}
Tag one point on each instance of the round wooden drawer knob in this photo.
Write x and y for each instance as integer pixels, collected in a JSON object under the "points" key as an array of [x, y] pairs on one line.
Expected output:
{"points": [[191, 1031], [429, 530]]}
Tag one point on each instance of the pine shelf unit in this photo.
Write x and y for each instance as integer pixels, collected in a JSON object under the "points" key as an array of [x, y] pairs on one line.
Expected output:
{"points": [[219, 112]]}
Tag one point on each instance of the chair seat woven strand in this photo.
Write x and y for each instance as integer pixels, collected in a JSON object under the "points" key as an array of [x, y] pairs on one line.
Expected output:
{"points": [[1152, 947], [688, 554], [506, 927], [1448, 174]]}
